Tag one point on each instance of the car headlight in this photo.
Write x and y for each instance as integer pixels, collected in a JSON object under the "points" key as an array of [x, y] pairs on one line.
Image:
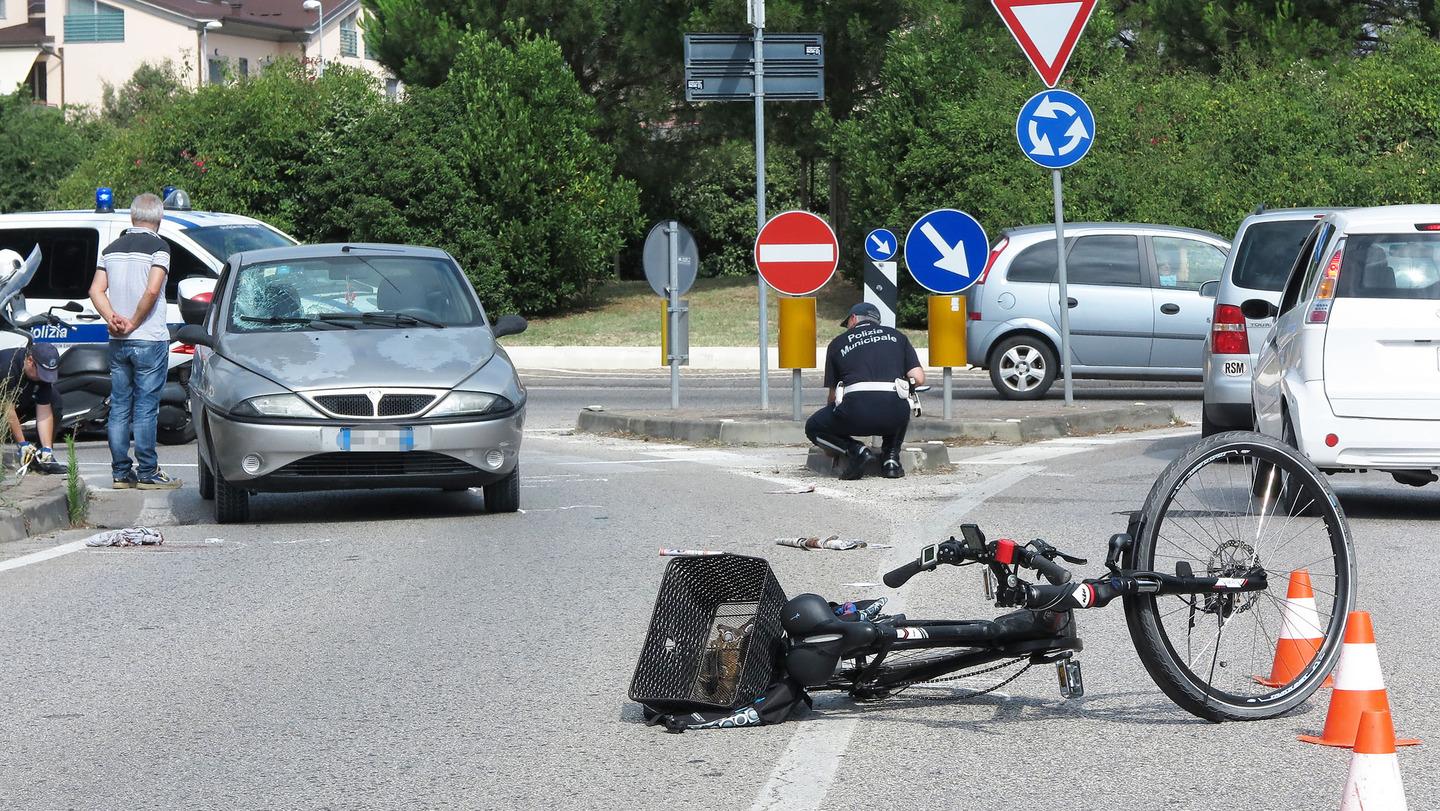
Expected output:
{"points": [[288, 406], [462, 403]]}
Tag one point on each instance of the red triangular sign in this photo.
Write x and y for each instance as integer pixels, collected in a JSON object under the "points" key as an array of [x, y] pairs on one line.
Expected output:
{"points": [[1047, 31]]}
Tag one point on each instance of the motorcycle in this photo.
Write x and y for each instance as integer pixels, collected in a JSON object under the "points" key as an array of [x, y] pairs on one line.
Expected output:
{"points": [[84, 387]]}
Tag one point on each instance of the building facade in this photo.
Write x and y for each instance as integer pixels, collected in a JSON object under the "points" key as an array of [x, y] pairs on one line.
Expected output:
{"points": [[64, 52]]}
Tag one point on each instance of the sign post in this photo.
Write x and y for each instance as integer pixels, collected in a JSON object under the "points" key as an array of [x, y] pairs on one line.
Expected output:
{"points": [[757, 19], [881, 275], [945, 252], [671, 263], [1055, 128], [796, 253]]}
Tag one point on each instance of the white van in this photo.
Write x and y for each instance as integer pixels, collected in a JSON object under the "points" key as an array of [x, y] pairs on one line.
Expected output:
{"points": [[70, 243]]}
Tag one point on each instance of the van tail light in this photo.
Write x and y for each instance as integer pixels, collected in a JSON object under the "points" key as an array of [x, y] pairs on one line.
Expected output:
{"points": [[1427, 226], [994, 254], [203, 298], [184, 349], [1227, 331], [1319, 311]]}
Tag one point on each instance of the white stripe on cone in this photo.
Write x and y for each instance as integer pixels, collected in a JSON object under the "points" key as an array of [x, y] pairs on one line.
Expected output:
{"points": [[1359, 667], [1373, 784], [1300, 620]]}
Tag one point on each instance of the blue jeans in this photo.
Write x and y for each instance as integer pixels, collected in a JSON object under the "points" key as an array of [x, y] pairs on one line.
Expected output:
{"points": [[137, 375]]}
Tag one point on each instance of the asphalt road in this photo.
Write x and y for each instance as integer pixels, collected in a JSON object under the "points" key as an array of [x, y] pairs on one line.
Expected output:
{"points": [[405, 650]]}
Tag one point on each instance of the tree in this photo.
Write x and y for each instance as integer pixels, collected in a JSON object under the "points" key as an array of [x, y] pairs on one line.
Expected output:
{"points": [[150, 88], [38, 147]]}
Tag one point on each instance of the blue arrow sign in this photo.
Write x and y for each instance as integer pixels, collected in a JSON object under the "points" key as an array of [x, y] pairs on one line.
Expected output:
{"points": [[946, 251], [881, 245], [1055, 129]]}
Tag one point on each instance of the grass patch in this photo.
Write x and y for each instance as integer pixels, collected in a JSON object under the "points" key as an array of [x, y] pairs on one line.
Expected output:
{"points": [[723, 312]]}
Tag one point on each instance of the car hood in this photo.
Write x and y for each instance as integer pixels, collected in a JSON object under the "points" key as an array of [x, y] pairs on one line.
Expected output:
{"points": [[420, 357]]}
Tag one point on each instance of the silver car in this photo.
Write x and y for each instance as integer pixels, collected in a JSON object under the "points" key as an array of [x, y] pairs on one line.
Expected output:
{"points": [[1136, 308], [328, 367], [1266, 247]]}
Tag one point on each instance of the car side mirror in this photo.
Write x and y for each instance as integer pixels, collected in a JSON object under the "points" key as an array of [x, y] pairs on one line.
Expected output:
{"points": [[193, 310], [509, 325], [1258, 309], [195, 335], [1210, 288], [73, 307]]}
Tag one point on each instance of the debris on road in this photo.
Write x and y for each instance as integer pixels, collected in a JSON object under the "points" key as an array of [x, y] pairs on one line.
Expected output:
{"points": [[688, 553], [595, 408], [792, 491], [131, 536], [832, 542]]}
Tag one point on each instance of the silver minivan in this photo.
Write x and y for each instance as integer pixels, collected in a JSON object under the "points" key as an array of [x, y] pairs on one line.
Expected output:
{"points": [[1136, 308], [1266, 246]]}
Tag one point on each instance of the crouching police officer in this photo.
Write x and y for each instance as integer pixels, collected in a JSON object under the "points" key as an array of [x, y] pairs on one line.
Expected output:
{"points": [[27, 386], [868, 369]]}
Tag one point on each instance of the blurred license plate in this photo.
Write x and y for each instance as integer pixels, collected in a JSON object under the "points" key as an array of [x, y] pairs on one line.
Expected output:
{"points": [[375, 439]]}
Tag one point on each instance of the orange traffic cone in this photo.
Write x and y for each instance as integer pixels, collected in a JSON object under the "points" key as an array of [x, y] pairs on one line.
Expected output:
{"points": [[1301, 634], [1358, 686], [1374, 778]]}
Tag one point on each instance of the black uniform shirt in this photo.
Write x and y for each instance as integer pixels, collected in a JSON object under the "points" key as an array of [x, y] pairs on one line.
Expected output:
{"points": [[15, 386], [868, 353]]}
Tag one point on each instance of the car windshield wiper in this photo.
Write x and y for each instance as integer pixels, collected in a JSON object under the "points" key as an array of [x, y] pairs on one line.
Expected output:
{"points": [[382, 318], [278, 319]]}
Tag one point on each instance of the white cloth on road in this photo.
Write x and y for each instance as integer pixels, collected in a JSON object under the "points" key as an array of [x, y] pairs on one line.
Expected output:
{"points": [[131, 536]]}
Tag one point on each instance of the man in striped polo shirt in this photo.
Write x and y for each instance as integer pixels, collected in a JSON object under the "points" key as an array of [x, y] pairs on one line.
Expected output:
{"points": [[128, 291]]}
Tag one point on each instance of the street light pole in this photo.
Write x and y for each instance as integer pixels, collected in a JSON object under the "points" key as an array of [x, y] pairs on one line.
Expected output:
{"points": [[316, 5], [205, 28]]}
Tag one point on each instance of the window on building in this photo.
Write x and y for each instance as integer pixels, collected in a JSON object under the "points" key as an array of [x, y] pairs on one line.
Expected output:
{"points": [[243, 67], [93, 21], [35, 8], [2, 9], [392, 89], [216, 74], [349, 37]]}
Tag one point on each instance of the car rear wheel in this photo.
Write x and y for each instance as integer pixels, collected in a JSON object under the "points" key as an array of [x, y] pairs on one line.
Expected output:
{"points": [[232, 504], [207, 479], [1023, 367], [504, 496]]}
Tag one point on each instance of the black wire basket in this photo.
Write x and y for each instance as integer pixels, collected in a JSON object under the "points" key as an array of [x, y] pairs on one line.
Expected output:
{"points": [[714, 639]]}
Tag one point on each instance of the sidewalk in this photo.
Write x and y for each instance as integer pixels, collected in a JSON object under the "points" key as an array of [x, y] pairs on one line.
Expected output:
{"points": [[1004, 421], [611, 358]]}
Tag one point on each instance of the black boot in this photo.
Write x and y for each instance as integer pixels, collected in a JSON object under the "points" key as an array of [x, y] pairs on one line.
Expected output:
{"points": [[856, 460], [890, 468]]}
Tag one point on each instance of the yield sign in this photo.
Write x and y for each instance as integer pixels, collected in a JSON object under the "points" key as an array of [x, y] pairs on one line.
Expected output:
{"points": [[1046, 30], [796, 252]]}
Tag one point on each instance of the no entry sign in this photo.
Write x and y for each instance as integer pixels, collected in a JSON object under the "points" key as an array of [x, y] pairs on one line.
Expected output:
{"points": [[796, 253]]}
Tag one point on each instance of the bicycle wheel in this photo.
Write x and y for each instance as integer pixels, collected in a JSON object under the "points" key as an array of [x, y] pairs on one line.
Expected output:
{"points": [[1233, 501]]}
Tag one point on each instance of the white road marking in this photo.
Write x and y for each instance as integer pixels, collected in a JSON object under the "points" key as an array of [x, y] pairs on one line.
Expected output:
{"points": [[42, 555], [806, 769], [620, 462]]}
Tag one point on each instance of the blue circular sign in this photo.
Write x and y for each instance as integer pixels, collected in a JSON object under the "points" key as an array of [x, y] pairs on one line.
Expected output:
{"points": [[946, 250], [881, 245], [1055, 129]]}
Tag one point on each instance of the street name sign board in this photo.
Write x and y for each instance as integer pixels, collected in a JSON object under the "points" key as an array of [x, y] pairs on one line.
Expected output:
{"points": [[1046, 31], [945, 251], [656, 259], [1055, 129], [721, 67], [796, 252], [881, 245]]}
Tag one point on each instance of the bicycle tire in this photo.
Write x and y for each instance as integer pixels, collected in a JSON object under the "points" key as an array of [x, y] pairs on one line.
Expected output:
{"points": [[1238, 694]]}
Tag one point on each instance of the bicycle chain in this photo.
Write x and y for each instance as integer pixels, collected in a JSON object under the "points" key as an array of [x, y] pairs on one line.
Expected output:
{"points": [[957, 677]]}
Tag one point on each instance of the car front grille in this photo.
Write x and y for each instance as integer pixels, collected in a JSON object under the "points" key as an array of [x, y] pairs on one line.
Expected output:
{"points": [[392, 404], [346, 405], [382, 464], [401, 405]]}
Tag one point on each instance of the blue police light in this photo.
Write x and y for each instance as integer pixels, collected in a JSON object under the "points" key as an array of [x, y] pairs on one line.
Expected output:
{"points": [[104, 200], [165, 192], [177, 200]]}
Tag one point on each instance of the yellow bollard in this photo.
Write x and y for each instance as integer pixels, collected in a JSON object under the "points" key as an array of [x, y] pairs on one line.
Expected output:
{"points": [[947, 331], [797, 344]]}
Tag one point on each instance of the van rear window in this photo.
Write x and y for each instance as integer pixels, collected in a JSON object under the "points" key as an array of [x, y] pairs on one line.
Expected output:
{"points": [[1268, 251], [1404, 266]]}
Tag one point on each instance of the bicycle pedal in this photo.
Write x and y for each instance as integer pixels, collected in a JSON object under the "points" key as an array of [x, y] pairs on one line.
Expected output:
{"points": [[1072, 684]]}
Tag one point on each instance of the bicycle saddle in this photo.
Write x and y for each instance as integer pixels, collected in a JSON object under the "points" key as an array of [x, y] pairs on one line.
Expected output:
{"points": [[818, 638]]}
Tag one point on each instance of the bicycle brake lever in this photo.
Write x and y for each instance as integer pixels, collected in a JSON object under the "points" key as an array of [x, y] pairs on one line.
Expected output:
{"points": [[1071, 558]]}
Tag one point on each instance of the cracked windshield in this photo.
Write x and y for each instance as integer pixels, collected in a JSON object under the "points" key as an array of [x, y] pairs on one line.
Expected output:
{"points": [[351, 291]]}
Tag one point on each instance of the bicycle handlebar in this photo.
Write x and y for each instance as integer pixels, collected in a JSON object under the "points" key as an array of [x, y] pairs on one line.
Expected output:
{"points": [[895, 578], [1054, 572]]}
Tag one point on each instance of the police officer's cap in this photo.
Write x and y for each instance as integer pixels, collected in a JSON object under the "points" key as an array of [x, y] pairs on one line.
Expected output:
{"points": [[865, 310]]}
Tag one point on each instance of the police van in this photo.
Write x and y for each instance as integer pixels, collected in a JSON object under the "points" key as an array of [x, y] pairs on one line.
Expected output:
{"points": [[70, 243]]}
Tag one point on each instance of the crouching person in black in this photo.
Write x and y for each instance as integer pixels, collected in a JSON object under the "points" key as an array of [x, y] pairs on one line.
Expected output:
{"points": [[868, 369]]}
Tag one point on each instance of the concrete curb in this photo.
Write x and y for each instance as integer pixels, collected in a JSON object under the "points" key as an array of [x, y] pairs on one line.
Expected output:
{"points": [[39, 506], [730, 431], [930, 457]]}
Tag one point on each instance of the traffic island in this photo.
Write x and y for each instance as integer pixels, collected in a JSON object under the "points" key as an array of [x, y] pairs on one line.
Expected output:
{"points": [[985, 421], [34, 505], [929, 457]]}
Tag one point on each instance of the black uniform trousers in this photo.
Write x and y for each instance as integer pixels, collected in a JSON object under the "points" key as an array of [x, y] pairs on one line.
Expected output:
{"points": [[863, 413]]}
